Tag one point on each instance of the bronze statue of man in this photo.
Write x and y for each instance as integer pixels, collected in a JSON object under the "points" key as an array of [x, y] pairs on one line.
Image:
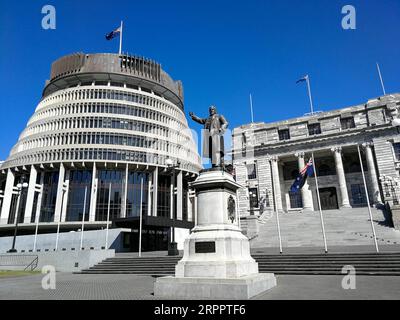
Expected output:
{"points": [[213, 136]]}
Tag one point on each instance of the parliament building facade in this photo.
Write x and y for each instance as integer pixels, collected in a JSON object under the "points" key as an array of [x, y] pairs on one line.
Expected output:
{"points": [[267, 158]]}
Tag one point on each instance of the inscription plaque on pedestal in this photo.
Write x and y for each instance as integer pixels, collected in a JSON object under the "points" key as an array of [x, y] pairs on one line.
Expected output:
{"points": [[205, 247]]}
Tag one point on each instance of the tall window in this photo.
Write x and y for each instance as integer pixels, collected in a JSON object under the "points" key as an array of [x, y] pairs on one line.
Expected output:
{"points": [[105, 178], [358, 195], [396, 149], [253, 198], [284, 134], [296, 200], [79, 182], [314, 129], [251, 171], [347, 123]]}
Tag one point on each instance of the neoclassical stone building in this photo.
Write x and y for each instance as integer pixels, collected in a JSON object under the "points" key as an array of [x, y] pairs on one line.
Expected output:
{"points": [[268, 156], [105, 123]]}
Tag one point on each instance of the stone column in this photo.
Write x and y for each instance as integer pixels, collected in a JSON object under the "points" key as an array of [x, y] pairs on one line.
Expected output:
{"points": [[93, 194], [8, 192], [179, 196], [155, 192], [189, 206], [66, 194], [372, 173], [276, 183], [30, 195], [60, 193], [337, 151], [306, 194]]}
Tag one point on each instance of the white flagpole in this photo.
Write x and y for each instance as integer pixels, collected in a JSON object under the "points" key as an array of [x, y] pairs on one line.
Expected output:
{"points": [[309, 94], [120, 38], [380, 77], [276, 212], [83, 217], [108, 214], [251, 108], [319, 203], [369, 206], [59, 220], [140, 217]]}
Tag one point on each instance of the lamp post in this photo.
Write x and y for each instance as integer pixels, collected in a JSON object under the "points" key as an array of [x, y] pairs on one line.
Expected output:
{"points": [[172, 245], [20, 186]]}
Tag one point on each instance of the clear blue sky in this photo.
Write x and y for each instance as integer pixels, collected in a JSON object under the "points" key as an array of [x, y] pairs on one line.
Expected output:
{"points": [[221, 50]]}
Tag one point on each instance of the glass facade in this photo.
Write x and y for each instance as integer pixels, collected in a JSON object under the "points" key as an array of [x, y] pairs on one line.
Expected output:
{"points": [[107, 179], [79, 182], [134, 194], [49, 196], [164, 196]]}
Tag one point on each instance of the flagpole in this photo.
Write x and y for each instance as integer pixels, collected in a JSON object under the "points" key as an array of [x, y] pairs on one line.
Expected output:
{"points": [[140, 217], [309, 94], [380, 77], [120, 38], [319, 203], [276, 210], [251, 109], [369, 205]]}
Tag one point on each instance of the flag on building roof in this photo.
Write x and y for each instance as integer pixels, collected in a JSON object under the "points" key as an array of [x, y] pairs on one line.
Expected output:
{"points": [[113, 34], [301, 178]]}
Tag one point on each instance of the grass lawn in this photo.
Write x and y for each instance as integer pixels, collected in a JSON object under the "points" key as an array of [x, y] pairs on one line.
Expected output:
{"points": [[16, 273]]}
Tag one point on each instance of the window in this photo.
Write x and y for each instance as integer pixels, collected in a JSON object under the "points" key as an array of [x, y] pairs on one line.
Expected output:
{"points": [[358, 195], [396, 149], [296, 200], [284, 134], [314, 129], [253, 198], [347, 123], [251, 171]]}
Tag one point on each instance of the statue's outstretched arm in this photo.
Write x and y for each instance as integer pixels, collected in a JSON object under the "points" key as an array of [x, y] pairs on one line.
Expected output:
{"points": [[196, 118]]}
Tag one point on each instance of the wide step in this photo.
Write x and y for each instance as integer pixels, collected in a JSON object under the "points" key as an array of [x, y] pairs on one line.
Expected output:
{"points": [[384, 264]]}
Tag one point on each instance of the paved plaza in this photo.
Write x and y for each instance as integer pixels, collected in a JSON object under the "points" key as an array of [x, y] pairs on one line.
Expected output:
{"points": [[132, 287]]}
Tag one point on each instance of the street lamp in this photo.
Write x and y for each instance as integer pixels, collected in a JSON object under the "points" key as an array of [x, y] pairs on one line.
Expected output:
{"points": [[172, 245], [20, 186]]}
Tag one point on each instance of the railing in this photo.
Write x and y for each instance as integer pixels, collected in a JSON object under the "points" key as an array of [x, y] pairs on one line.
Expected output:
{"points": [[25, 262]]}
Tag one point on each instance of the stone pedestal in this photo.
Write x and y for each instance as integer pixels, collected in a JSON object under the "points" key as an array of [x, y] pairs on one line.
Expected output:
{"points": [[396, 216], [216, 263]]}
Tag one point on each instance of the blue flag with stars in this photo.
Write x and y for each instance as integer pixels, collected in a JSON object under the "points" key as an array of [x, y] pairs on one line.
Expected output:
{"points": [[301, 178]]}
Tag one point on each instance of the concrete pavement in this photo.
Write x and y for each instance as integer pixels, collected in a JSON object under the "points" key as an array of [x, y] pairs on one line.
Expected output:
{"points": [[132, 287]]}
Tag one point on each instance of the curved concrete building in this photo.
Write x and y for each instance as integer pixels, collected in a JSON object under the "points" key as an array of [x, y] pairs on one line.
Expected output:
{"points": [[105, 123]]}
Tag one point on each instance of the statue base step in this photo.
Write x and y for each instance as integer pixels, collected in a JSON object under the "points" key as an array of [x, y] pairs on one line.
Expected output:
{"points": [[216, 289]]}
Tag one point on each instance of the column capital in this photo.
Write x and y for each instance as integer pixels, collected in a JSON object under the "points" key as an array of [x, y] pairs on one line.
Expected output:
{"points": [[299, 154], [367, 144], [273, 158], [336, 149]]}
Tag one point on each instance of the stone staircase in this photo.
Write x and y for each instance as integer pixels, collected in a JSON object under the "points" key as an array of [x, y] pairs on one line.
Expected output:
{"points": [[346, 227], [383, 264]]}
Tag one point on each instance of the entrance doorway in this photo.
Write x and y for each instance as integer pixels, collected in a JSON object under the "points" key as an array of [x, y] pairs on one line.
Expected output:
{"points": [[329, 200]]}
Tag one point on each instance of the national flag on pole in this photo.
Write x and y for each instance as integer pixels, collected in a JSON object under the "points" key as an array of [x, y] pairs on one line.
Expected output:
{"points": [[305, 78], [308, 170], [113, 34]]}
